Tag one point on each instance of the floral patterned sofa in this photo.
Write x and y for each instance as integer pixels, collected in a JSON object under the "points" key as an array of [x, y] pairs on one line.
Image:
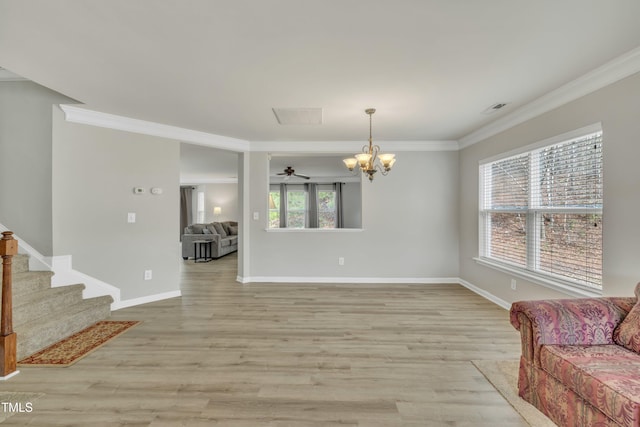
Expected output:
{"points": [[580, 362]]}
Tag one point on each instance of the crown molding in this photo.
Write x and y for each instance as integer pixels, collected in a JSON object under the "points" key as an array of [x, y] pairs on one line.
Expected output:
{"points": [[111, 121], [611, 72], [8, 76], [349, 146], [209, 181]]}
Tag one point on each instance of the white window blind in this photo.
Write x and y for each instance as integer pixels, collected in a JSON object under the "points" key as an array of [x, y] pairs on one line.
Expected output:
{"points": [[541, 211]]}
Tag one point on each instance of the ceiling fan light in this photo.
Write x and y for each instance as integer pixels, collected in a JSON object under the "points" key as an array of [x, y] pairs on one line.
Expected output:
{"points": [[350, 163]]}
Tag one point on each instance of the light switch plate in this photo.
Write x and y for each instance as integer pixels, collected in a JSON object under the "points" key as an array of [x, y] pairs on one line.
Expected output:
{"points": [[131, 217]]}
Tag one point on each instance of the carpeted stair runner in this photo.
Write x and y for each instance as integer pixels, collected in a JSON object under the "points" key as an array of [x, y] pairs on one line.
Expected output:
{"points": [[43, 315]]}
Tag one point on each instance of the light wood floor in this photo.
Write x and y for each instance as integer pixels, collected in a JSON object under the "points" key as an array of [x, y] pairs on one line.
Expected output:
{"points": [[286, 355]]}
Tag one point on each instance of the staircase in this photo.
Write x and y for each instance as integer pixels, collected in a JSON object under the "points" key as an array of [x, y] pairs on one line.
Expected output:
{"points": [[43, 315]]}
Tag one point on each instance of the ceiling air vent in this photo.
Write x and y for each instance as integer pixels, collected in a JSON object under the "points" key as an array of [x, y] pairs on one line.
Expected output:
{"points": [[495, 107], [298, 116]]}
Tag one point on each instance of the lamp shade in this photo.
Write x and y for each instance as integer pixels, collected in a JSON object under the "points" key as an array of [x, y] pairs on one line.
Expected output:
{"points": [[217, 210], [350, 163], [363, 159]]}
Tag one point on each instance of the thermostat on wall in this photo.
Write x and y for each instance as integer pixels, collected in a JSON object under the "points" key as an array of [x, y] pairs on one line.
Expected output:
{"points": [[156, 190], [138, 190]]}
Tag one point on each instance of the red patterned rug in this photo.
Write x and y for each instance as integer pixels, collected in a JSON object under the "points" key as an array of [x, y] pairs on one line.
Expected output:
{"points": [[73, 348]]}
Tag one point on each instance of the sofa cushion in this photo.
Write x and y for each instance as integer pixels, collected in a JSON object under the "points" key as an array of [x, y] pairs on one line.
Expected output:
{"points": [[197, 228], [220, 229], [206, 231], [627, 334], [606, 376], [225, 242], [233, 230], [225, 225], [233, 240]]}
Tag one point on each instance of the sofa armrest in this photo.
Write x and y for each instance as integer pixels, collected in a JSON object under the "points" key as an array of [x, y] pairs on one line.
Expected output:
{"points": [[580, 321]]}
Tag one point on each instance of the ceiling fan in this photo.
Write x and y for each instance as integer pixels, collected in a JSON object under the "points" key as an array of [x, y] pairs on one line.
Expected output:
{"points": [[289, 172]]}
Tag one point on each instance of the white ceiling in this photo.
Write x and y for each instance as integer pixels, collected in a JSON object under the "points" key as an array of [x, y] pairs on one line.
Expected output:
{"points": [[430, 67]]}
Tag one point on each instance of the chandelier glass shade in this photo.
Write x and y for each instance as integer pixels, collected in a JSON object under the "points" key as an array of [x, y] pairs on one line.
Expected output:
{"points": [[371, 160]]}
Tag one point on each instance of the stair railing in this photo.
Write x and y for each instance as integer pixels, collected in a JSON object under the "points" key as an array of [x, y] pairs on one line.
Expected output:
{"points": [[8, 248]]}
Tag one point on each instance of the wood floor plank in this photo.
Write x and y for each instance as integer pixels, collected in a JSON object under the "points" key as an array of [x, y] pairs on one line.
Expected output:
{"points": [[303, 355]]}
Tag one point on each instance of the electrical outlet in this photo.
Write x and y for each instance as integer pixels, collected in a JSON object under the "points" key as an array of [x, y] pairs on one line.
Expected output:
{"points": [[148, 275], [513, 284], [341, 261]]}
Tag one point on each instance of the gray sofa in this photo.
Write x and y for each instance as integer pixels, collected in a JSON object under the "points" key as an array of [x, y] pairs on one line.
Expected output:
{"points": [[224, 236]]}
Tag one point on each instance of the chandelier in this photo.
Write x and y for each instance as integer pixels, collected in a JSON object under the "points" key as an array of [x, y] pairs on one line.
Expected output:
{"points": [[367, 159]]}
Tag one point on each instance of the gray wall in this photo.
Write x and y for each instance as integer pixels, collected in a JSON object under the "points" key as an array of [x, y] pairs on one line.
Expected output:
{"points": [[223, 195], [25, 153], [410, 227], [616, 107], [94, 173]]}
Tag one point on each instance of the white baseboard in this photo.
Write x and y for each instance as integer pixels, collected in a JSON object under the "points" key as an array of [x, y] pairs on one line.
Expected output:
{"points": [[494, 299], [309, 279], [11, 375], [66, 275], [399, 280], [145, 300]]}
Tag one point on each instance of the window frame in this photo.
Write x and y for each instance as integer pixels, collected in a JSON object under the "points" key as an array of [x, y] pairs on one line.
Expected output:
{"points": [[533, 212]]}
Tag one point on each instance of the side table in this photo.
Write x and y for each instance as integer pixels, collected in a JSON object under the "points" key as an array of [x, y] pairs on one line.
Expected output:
{"points": [[198, 247]]}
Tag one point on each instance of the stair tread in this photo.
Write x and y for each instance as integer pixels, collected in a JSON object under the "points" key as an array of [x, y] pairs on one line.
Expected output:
{"points": [[71, 310], [36, 335], [44, 314], [23, 274], [31, 297]]}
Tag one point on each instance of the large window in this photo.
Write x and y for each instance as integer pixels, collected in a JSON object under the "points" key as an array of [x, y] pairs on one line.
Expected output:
{"points": [[541, 211]]}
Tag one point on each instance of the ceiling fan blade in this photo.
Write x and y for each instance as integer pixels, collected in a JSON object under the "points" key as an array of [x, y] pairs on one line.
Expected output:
{"points": [[301, 176], [282, 173]]}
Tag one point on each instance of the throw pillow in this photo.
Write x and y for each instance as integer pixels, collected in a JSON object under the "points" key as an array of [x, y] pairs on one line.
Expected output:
{"points": [[206, 231], [220, 229], [233, 230], [211, 228], [627, 334]]}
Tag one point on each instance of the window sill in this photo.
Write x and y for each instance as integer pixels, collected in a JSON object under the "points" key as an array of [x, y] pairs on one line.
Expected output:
{"points": [[313, 230], [567, 288]]}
